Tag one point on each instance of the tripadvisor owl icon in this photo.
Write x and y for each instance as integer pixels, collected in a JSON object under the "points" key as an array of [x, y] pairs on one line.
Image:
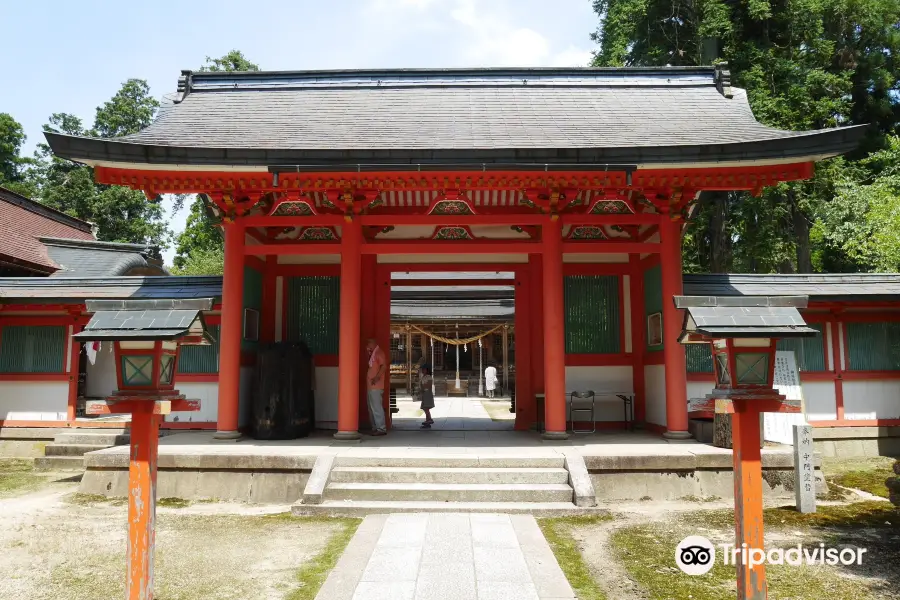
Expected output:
{"points": [[695, 555]]}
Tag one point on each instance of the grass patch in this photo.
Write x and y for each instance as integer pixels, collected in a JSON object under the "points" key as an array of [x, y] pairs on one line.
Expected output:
{"points": [[313, 574], [556, 530], [80, 499], [871, 513], [18, 476], [648, 554]]}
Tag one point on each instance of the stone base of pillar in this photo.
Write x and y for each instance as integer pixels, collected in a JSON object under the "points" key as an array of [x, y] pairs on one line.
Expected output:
{"points": [[677, 435], [347, 437], [227, 436], [551, 436]]}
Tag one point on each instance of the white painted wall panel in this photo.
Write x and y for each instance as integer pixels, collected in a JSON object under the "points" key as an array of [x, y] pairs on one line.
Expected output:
{"points": [[699, 389], [101, 376], [606, 379], [872, 399], [208, 395], [819, 399], [327, 397], [655, 388], [34, 400]]}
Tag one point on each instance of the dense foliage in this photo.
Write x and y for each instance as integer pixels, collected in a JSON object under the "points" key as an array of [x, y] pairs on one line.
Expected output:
{"points": [[805, 64]]}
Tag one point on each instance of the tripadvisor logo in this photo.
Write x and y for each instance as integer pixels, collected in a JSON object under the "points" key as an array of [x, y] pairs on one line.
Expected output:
{"points": [[696, 555]]}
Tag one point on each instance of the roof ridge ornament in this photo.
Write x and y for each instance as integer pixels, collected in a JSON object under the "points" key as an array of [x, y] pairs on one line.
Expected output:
{"points": [[723, 80], [184, 85]]}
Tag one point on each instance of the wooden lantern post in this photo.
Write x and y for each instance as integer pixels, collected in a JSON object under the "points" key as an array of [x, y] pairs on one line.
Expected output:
{"points": [[147, 336], [743, 333]]}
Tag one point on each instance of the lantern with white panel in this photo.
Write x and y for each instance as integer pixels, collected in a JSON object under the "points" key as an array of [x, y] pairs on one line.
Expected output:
{"points": [[743, 332], [147, 336]]}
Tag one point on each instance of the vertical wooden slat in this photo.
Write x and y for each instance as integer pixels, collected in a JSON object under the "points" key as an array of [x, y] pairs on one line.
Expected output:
{"points": [[809, 352], [593, 319], [873, 346], [312, 312], [33, 349]]}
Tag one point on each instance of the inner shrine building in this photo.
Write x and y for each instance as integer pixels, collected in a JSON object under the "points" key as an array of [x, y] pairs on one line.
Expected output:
{"points": [[577, 182]]}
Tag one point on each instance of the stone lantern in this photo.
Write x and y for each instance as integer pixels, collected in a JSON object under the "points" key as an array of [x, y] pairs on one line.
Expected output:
{"points": [[743, 333], [146, 336]]}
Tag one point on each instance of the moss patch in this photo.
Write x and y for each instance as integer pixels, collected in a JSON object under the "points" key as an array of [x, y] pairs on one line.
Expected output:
{"points": [[498, 411], [858, 514], [871, 481], [313, 574], [648, 554], [557, 532]]}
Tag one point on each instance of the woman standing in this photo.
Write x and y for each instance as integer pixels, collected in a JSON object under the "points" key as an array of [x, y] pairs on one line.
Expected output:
{"points": [[490, 380], [426, 394]]}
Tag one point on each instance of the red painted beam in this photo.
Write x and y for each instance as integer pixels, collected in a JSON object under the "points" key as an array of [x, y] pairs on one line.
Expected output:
{"points": [[450, 282], [639, 219], [451, 247], [294, 248], [299, 221], [385, 220], [605, 247]]}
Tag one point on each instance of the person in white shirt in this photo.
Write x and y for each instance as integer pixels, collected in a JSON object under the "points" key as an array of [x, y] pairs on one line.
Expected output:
{"points": [[490, 380]]}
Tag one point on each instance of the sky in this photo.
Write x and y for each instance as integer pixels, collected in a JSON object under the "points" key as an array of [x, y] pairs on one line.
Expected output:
{"points": [[73, 56]]}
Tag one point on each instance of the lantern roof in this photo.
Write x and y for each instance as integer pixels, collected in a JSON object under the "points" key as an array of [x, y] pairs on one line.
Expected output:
{"points": [[147, 320], [722, 317], [419, 119]]}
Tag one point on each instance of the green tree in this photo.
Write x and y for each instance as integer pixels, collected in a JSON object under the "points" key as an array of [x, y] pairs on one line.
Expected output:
{"points": [[200, 247], [121, 214], [233, 61], [805, 64], [13, 174]]}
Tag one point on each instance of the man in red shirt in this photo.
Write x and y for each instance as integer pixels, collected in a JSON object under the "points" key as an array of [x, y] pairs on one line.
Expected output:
{"points": [[375, 387]]}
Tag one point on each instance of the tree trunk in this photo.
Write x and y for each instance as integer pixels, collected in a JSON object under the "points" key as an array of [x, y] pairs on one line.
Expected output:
{"points": [[719, 240], [801, 234]]}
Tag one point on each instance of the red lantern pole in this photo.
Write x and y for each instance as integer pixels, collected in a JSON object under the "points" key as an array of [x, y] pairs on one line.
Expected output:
{"points": [[142, 499], [748, 508]]}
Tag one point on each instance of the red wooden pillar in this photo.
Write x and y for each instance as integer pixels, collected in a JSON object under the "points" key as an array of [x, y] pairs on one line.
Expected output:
{"points": [[748, 492], [349, 340], [142, 500], [554, 337], [676, 367], [638, 336], [525, 407], [230, 332]]}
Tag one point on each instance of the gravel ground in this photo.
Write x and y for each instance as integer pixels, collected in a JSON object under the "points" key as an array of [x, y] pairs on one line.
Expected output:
{"points": [[56, 549]]}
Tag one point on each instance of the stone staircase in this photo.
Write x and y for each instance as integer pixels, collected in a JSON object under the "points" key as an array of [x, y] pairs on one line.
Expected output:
{"points": [[363, 485], [68, 448]]}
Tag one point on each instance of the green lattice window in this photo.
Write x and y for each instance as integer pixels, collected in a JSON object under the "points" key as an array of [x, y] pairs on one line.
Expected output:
{"points": [[32, 349], [698, 358], [313, 312], [195, 360], [809, 351], [592, 323], [874, 346]]}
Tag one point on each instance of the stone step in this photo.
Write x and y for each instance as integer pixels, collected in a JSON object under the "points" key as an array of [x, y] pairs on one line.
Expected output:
{"points": [[71, 449], [93, 438], [447, 475], [351, 508], [451, 492], [555, 461], [59, 463]]}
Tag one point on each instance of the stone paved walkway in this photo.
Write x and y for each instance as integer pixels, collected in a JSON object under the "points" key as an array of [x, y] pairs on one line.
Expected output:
{"points": [[445, 556], [452, 414]]}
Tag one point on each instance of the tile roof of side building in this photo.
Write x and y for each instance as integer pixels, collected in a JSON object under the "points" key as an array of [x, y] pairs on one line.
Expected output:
{"points": [[89, 258], [23, 221], [578, 116]]}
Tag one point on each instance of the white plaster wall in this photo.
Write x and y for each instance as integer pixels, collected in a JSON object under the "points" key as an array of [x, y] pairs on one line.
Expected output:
{"points": [[872, 399], [655, 389], [34, 400], [698, 389], [101, 376], [601, 379], [819, 400], [208, 395], [327, 397]]}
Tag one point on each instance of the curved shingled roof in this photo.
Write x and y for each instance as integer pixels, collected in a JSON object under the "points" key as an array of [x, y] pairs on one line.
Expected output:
{"points": [[578, 117]]}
